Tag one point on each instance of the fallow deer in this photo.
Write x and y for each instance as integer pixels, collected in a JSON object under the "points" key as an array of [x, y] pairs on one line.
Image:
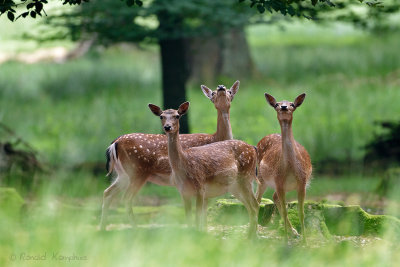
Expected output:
{"points": [[210, 170], [284, 164], [137, 158]]}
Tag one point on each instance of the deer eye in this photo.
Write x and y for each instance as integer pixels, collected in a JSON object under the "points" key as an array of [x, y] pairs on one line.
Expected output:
{"points": [[292, 105], [177, 117], [161, 117], [276, 105], [213, 93]]}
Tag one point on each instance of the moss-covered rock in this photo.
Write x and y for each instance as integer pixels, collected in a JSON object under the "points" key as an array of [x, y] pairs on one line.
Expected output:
{"points": [[233, 212], [320, 219], [229, 212], [314, 219], [267, 209], [10, 202], [354, 221]]}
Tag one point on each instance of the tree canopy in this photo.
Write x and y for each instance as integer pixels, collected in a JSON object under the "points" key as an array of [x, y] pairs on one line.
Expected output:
{"points": [[311, 9], [153, 21]]}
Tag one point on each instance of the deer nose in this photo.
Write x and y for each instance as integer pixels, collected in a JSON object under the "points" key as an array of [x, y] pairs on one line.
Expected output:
{"points": [[221, 87], [167, 128], [283, 107]]}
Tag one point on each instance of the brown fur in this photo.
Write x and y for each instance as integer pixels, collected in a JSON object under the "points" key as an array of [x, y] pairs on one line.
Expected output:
{"points": [[144, 157], [210, 170], [148, 154], [284, 164]]}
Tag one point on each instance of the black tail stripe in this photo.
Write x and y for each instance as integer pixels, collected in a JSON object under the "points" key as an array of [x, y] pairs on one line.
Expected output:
{"points": [[108, 157]]}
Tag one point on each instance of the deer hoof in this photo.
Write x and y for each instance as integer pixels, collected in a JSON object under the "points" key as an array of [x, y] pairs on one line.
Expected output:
{"points": [[295, 233]]}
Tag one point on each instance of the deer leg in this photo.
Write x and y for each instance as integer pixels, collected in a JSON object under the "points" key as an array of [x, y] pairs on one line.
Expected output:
{"points": [[187, 201], [283, 211], [260, 190], [204, 212], [279, 206], [246, 195], [131, 192], [108, 196], [199, 210], [301, 194], [277, 203]]}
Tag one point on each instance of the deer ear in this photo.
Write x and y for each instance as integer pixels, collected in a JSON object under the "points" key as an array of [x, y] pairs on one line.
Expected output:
{"points": [[234, 89], [207, 91], [155, 109], [270, 99], [183, 108], [299, 100]]}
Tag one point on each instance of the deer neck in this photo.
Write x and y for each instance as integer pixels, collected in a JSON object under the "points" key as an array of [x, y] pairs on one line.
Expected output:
{"points": [[224, 130], [175, 151], [288, 145]]}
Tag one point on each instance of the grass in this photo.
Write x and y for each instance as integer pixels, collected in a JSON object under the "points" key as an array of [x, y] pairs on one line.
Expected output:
{"points": [[63, 110], [70, 112], [58, 227], [179, 247]]}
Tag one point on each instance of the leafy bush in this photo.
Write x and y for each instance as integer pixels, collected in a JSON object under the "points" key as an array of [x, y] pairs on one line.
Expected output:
{"points": [[384, 148]]}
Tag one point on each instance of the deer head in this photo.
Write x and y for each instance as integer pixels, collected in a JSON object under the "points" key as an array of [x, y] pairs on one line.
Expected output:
{"points": [[221, 97], [170, 117], [285, 108]]}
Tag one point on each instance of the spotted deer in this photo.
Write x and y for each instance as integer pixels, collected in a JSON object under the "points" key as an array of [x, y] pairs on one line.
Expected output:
{"points": [[211, 170], [284, 164], [137, 158]]}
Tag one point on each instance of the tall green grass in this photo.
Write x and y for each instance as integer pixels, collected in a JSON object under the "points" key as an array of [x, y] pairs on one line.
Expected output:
{"points": [[179, 247], [55, 230], [348, 87], [70, 112]]}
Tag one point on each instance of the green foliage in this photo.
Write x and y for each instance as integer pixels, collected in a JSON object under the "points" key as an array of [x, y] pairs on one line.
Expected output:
{"points": [[33, 7], [374, 15], [384, 148], [134, 2], [10, 203], [291, 7], [113, 22], [307, 8], [389, 183]]}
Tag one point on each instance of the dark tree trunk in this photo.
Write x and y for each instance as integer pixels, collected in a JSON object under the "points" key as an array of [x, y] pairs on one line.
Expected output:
{"points": [[174, 76], [173, 63]]}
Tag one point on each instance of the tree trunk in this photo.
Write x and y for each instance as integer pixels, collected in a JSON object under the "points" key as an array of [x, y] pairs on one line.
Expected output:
{"points": [[236, 58], [173, 64], [174, 77], [213, 57]]}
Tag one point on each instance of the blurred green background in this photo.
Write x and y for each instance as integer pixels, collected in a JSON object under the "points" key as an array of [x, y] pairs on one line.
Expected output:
{"points": [[65, 114]]}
